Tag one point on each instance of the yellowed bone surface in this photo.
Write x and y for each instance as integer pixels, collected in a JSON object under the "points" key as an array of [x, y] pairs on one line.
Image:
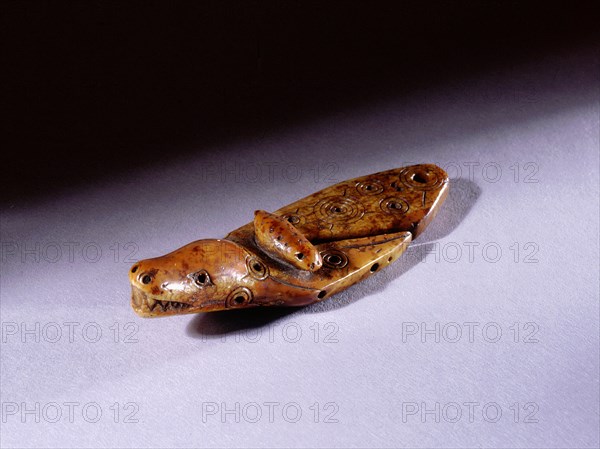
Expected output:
{"points": [[281, 240], [345, 233]]}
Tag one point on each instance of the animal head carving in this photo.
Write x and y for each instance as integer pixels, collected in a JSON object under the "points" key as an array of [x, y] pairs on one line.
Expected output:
{"points": [[202, 276]]}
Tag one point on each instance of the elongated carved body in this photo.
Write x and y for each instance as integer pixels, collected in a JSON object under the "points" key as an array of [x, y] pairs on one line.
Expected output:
{"points": [[302, 253]]}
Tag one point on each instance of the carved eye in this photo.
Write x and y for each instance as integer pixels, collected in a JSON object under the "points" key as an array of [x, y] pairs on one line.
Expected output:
{"points": [[257, 268], [146, 279], [241, 296], [200, 278], [293, 219]]}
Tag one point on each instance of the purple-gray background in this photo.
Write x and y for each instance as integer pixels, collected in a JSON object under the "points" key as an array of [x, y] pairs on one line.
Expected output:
{"points": [[484, 334]]}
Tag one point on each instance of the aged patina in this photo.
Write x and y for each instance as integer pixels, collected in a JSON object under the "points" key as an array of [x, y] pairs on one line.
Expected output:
{"points": [[300, 254]]}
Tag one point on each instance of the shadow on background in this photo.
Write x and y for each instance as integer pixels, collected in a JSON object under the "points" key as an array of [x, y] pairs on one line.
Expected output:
{"points": [[462, 196], [98, 89]]}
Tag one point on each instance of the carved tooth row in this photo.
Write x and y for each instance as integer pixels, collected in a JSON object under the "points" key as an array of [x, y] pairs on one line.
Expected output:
{"points": [[166, 305], [178, 305]]}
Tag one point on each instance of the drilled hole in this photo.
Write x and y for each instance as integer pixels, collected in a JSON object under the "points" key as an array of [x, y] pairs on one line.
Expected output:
{"points": [[369, 187], [337, 210], [239, 299], [146, 279], [299, 256], [257, 267], [202, 278], [334, 259], [374, 267], [321, 294], [134, 269], [390, 259], [421, 178]]}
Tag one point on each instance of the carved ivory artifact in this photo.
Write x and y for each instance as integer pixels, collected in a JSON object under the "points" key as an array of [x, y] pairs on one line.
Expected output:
{"points": [[302, 253]]}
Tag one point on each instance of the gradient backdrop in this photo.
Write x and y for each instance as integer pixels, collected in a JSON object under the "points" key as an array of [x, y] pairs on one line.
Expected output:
{"points": [[136, 127]]}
